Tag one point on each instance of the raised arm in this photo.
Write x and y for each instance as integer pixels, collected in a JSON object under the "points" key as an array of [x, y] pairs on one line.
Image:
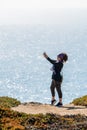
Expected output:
{"points": [[50, 60]]}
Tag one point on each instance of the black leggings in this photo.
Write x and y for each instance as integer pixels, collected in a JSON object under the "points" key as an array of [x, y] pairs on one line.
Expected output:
{"points": [[57, 85]]}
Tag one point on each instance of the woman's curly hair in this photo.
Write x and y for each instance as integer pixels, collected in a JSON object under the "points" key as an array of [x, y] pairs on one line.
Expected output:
{"points": [[63, 56]]}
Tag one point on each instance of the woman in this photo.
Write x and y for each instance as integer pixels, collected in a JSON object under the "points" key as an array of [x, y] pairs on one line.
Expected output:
{"points": [[56, 76]]}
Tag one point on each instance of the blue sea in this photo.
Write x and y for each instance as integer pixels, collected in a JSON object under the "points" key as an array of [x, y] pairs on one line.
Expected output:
{"points": [[24, 72]]}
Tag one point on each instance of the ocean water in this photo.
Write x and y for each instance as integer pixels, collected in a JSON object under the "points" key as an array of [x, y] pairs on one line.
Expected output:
{"points": [[24, 72]]}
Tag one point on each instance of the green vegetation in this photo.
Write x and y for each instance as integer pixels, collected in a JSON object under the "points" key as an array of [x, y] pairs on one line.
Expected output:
{"points": [[53, 122], [8, 118], [80, 101], [9, 102]]}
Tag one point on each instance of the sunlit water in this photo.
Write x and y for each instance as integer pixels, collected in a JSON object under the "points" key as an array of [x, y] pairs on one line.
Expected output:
{"points": [[24, 72]]}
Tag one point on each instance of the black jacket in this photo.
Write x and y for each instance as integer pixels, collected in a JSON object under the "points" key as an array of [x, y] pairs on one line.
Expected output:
{"points": [[57, 67]]}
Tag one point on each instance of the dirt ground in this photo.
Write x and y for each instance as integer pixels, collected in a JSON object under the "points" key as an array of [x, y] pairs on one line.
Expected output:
{"points": [[36, 108]]}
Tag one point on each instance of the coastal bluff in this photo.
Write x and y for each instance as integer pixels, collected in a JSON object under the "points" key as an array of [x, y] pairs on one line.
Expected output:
{"points": [[15, 115]]}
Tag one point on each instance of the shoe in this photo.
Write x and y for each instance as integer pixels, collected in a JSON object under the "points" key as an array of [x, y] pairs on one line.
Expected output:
{"points": [[59, 104], [53, 102]]}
